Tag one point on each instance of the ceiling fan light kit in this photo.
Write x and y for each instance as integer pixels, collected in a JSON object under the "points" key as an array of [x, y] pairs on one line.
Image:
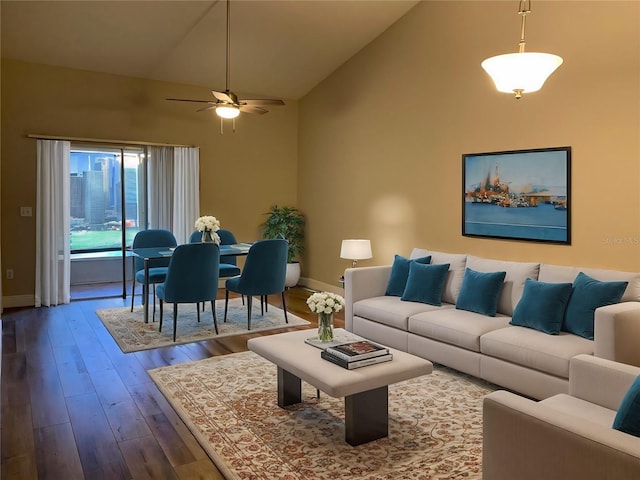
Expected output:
{"points": [[227, 111], [522, 72], [227, 104]]}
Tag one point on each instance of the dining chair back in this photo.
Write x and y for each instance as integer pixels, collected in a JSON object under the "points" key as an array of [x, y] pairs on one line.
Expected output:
{"points": [[192, 277], [263, 274], [228, 238], [157, 266]]}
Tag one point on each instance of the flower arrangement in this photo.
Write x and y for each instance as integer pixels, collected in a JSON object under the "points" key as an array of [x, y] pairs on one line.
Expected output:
{"points": [[325, 302], [208, 225]]}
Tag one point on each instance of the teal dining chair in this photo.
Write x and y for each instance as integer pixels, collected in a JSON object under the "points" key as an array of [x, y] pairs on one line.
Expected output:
{"points": [[157, 266], [228, 264], [263, 274], [192, 277]]}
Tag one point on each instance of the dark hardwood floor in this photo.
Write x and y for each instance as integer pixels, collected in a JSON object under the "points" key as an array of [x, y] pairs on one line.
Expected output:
{"points": [[74, 406]]}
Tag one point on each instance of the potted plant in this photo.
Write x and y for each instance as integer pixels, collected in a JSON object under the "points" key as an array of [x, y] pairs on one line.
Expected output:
{"points": [[287, 223]]}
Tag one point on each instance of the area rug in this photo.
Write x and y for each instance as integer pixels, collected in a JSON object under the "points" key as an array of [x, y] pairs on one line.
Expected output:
{"points": [[132, 334], [230, 405]]}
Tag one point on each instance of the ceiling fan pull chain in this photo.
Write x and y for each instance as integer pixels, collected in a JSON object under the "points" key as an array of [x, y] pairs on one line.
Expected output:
{"points": [[221, 128]]}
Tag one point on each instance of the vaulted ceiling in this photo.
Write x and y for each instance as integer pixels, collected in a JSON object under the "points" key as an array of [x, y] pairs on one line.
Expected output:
{"points": [[278, 48]]}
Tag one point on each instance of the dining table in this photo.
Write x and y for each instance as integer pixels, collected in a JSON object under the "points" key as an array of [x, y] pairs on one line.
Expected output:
{"points": [[150, 253]]}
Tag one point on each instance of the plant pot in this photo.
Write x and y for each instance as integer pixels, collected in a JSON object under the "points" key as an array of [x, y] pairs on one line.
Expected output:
{"points": [[293, 274]]}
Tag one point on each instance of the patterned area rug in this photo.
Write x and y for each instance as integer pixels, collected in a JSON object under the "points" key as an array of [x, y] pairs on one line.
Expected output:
{"points": [[132, 334], [229, 403]]}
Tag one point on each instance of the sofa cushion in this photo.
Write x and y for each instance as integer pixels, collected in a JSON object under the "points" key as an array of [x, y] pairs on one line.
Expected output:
{"points": [[425, 283], [516, 274], [457, 264], [628, 417], [533, 349], [577, 407], [589, 294], [391, 311], [400, 273], [455, 327], [558, 273], [542, 306], [480, 292]]}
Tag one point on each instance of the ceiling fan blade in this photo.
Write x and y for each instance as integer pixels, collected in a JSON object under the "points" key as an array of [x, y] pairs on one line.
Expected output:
{"points": [[186, 100], [252, 109], [227, 97], [261, 101], [204, 109]]}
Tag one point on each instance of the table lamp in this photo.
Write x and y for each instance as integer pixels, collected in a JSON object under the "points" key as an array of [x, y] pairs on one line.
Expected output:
{"points": [[355, 249]]}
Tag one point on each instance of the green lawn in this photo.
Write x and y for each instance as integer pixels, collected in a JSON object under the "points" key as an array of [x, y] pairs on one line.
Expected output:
{"points": [[87, 240]]}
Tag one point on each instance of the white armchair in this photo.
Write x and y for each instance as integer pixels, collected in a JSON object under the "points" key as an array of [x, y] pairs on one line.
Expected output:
{"points": [[563, 437]]}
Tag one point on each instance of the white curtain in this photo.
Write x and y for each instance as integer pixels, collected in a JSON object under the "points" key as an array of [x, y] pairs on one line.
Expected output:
{"points": [[53, 220], [161, 191], [186, 191]]}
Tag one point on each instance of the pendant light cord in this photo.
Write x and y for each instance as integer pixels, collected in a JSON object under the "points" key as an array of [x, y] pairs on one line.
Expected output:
{"points": [[523, 9]]}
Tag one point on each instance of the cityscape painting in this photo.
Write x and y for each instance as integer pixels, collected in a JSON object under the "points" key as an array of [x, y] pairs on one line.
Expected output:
{"points": [[523, 195]]}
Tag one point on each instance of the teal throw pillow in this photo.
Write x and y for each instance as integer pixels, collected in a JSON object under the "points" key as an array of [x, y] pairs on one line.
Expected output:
{"points": [[628, 416], [480, 292], [589, 294], [400, 273], [542, 306], [425, 283]]}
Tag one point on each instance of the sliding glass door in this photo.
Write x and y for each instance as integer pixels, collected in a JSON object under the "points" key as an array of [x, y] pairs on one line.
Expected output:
{"points": [[108, 200]]}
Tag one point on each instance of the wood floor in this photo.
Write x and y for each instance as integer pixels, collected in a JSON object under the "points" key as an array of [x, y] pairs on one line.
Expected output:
{"points": [[74, 406]]}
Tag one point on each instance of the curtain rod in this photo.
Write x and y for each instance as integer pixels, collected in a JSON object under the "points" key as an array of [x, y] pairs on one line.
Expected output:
{"points": [[106, 141]]}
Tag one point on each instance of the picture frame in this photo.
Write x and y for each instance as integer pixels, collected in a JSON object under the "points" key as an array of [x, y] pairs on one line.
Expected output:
{"points": [[519, 195]]}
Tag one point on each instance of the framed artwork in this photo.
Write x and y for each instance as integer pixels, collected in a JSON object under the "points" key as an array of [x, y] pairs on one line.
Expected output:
{"points": [[522, 195]]}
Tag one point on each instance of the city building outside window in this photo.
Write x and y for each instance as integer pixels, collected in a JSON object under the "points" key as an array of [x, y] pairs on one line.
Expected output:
{"points": [[98, 212]]}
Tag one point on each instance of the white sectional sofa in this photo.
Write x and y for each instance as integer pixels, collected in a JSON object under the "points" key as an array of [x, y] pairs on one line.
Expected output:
{"points": [[567, 436], [522, 359]]}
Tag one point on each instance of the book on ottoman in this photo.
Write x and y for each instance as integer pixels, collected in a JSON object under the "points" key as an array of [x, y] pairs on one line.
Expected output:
{"points": [[355, 363], [358, 350]]}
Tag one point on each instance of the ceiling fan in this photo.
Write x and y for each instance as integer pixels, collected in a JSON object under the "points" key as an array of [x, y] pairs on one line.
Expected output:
{"points": [[226, 103]]}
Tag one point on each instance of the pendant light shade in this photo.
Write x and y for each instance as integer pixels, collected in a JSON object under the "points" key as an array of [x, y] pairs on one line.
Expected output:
{"points": [[521, 72]]}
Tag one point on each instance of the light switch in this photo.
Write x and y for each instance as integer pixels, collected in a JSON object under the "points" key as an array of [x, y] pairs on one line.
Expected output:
{"points": [[25, 211]]}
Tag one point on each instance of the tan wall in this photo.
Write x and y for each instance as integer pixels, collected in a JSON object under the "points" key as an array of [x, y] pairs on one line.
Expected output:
{"points": [[381, 139], [242, 174]]}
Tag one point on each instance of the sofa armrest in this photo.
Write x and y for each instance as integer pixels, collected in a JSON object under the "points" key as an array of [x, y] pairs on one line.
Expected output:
{"points": [[525, 440], [600, 381], [617, 332], [361, 283]]}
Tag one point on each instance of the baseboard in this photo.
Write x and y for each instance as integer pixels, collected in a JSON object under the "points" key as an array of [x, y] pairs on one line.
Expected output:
{"points": [[18, 301], [320, 286]]}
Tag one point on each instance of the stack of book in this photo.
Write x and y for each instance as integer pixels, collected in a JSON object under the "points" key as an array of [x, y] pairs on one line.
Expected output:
{"points": [[356, 354]]}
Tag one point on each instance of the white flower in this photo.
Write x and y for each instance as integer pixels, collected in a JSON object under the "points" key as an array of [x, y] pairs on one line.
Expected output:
{"points": [[325, 302], [207, 223]]}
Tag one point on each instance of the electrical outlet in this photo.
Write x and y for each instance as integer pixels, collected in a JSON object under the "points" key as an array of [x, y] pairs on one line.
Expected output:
{"points": [[9, 273]]}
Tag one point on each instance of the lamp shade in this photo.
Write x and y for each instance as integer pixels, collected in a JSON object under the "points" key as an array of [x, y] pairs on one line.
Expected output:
{"points": [[227, 111], [356, 249], [521, 72]]}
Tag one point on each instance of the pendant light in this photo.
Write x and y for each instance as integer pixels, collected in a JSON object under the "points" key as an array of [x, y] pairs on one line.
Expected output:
{"points": [[521, 72]]}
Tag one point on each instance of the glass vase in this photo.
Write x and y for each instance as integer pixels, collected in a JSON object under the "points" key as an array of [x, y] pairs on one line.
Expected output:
{"points": [[207, 237], [325, 327]]}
